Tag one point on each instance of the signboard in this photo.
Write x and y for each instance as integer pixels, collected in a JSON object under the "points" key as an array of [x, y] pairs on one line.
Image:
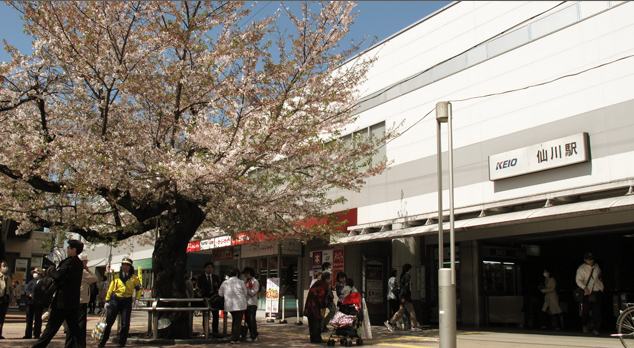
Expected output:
{"points": [[207, 244], [241, 238], [21, 266], [223, 254], [503, 252], [291, 247], [193, 246], [222, 241], [36, 262], [374, 282], [268, 248], [250, 250], [272, 295], [19, 276], [547, 155], [337, 259]]}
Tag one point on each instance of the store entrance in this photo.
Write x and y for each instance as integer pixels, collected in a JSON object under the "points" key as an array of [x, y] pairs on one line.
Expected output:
{"points": [[513, 267]]}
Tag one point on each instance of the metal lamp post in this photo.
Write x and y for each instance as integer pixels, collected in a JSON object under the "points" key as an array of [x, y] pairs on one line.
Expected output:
{"points": [[446, 276]]}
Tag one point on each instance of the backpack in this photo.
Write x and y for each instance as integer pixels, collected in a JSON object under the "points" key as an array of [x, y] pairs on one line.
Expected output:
{"points": [[44, 291]]}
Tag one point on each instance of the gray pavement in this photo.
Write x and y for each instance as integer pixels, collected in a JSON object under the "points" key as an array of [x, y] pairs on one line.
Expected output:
{"points": [[291, 335]]}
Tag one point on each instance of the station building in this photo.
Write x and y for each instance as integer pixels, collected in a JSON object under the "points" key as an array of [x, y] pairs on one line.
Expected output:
{"points": [[543, 141]]}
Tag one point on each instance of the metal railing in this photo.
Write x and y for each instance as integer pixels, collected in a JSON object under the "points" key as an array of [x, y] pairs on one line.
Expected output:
{"points": [[153, 312]]}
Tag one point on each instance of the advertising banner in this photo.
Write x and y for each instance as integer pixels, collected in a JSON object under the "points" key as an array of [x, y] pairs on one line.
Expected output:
{"points": [[272, 295], [374, 282], [336, 257]]}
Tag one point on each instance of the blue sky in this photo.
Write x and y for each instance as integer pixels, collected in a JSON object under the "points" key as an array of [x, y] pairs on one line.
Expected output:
{"points": [[376, 18]]}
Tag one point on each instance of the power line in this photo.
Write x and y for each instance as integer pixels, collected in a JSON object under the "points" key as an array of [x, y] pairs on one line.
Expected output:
{"points": [[255, 14], [514, 90], [546, 82]]}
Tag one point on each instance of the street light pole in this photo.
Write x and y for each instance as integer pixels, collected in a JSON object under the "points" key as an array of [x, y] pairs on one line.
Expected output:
{"points": [[446, 276]]}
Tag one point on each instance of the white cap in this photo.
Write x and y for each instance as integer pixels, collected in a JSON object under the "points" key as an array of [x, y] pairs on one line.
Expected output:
{"points": [[83, 257]]}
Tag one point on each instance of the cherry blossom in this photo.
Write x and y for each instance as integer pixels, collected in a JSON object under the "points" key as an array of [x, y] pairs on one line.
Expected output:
{"points": [[155, 120]]}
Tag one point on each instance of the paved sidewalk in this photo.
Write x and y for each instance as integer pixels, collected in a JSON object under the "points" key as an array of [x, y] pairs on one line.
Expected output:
{"points": [[291, 335]]}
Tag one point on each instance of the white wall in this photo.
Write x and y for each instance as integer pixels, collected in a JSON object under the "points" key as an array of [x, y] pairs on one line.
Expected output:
{"points": [[527, 114]]}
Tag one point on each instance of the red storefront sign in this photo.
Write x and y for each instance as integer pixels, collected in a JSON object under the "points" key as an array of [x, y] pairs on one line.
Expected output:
{"points": [[193, 246], [317, 260], [241, 238], [337, 259]]}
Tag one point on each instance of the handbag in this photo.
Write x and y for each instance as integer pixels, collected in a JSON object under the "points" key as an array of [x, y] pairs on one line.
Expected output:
{"points": [[244, 330], [97, 332], [578, 294], [217, 302]]}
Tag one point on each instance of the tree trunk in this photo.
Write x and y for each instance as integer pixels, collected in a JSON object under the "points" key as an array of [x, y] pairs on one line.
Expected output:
{"points": [[169, 262]]}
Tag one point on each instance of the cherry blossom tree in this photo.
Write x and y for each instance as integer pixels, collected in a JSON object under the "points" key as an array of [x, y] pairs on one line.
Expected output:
{"points": [[159, 118]]}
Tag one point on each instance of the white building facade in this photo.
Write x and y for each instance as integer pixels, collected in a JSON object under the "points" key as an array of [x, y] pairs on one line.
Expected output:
{"points": [[543, 135]]}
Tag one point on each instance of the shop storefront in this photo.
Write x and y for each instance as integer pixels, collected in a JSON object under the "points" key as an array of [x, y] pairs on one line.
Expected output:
{"points": [[276, 263]]}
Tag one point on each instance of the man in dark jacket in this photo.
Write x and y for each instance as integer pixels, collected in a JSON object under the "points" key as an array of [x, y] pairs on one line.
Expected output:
{"points": [[65, 305], [315, 301], [33, 310], [208, 284], [406, 301]]}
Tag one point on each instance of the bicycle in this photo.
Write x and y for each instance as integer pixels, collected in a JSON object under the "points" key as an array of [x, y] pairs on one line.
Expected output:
{"points": [[625, 326]]}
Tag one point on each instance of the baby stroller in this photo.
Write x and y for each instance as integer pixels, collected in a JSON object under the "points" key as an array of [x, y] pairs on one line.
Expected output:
{"points": [[347, 322]]}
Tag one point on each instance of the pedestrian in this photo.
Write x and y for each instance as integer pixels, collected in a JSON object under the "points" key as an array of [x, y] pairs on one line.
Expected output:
{"points": [[94, 291], [393, 290], [341, 283], [316, 277], [15, 291], [5, 293], [405, 296], [208, 284], [551, 300], [330, 299], [103, 285], [315, 301], [589, 279], [33, 309], [87, 278], [65, 305], [253, 289], [119, 301], [234, 292], [189, 292]]}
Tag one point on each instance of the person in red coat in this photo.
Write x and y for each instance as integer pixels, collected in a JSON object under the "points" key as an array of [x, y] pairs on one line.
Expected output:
{"points": [[315, 301]]}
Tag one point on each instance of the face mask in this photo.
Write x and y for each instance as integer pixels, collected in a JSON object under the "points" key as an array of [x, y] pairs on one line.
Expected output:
{"points": [[545, 274], [36, 276], [4, 270]]}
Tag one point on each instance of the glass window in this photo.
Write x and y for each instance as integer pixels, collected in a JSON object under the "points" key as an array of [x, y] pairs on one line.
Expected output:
{"points": [[449, 67], [361, 136], [589, 8], [508, 42], [477, 55], [416, 82], [554, 22], [376, 132]]}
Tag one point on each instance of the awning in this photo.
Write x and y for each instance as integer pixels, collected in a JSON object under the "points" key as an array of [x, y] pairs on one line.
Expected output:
{"points": [[556, 212]]}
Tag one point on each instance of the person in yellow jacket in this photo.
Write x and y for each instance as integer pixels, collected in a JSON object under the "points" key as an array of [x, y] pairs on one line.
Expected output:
{"points": [[119, 300]]}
